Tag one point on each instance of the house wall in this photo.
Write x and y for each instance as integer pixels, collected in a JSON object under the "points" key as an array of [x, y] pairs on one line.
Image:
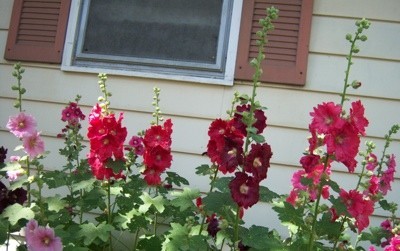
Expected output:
{"points": [[192, 106]]}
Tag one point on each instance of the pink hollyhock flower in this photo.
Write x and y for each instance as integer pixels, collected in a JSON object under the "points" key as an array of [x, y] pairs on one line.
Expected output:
{"points": [[260, 123], [372, 162], [371, 248], [386, 225], [394, 244], [33, 144], [21, 124], [13, 175], [308, 162], [388, 176], [357, 117], [30, 227], [344, 143], [293, 197], [244, 190], [257, 162], [373, 187], [44, 239], [157, 158], [135, 141], [326, 117]]}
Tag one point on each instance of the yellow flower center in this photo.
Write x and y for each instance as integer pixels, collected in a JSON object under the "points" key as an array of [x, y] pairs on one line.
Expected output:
{"points": [[244, 189], [257, 162]]}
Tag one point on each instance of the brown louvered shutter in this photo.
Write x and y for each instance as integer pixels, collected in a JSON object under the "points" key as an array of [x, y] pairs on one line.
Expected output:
{"points": [[37, 30], [287, 47]]}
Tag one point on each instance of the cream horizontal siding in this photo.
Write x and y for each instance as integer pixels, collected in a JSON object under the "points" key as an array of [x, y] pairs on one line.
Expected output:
{"points": [[193, 106]]}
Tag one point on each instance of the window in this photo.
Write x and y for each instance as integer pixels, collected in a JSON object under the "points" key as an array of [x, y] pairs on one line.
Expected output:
{"points": [[189, 40], [178, 39]]}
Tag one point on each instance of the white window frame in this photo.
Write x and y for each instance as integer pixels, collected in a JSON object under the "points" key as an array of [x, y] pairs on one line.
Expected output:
{"points": [[226, 79]]}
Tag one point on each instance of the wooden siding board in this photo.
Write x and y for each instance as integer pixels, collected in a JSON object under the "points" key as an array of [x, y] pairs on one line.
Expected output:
{"points": [[382, 40], [388, 10], [5, 13]]}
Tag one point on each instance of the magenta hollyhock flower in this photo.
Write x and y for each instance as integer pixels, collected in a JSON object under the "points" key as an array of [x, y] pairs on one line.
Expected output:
{"points": [[394, 244], [386, 225], [388, 176], [308, 162], [357, 117], [373, 187], [343, 143], [33, 144], [372, 162], [257, 162], [326, 117], [244, 190], [21, 124], [72, 114], [44, 239]]}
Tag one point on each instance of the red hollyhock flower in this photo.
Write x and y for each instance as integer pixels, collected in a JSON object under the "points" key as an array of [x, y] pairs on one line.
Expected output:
{"points": [[244, 190], [152, 177], [326, 117], [260, 123], [231, 155], [257, 162], [357, 117], [157, 158], [344, 143], [100, 170], [158, 135]]}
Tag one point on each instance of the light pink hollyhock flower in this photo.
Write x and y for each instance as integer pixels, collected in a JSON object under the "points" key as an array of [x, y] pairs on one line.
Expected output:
{"points": [[33, 144], [21, 124], [15, 158], [12, 175], [44, 239], [30, 228]]}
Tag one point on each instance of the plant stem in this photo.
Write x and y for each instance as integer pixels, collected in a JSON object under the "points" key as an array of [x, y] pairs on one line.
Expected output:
{"points": [[109, 219], [236, 227], [349, 63], [314, 223], [136, 238], [28, 186], [211, 188]]}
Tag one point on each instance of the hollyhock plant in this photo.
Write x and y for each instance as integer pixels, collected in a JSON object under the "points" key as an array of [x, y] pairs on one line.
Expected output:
{"points": [[40, 238], [10, 197], [33, 144]]}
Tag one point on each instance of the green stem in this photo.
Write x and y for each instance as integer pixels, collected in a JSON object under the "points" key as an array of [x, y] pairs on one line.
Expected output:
{"points": [[211, 188], [136, 240], [28, 186], [109, 219], [236, 227], [314, 223], [337, 239]]}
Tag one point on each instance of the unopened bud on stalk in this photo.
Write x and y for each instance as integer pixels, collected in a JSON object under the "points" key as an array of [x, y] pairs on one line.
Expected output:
{"points": [[356, 84]]}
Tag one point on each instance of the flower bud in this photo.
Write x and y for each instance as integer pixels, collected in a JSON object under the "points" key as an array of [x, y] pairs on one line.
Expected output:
{"points": [[363, 38], [356, 84], [349, 37]]}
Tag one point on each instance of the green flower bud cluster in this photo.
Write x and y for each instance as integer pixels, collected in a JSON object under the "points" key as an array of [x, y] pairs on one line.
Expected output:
{"points": [[104, 102], [157, 114], [17, 73]]}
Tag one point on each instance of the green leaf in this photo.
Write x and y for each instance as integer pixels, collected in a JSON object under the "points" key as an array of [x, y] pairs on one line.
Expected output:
{"points": [[150, 243], [204, 170], [177, 238], [174, 178], [157, 202], [84, 184], [184, 199], [222, 184], [260, 238], [197, 242], [258, 138], [266, 195], [326, 227], [55, 179], [3, 230], [16, 212], [288, 213], [125, 219], [90, 232], [335, 187], [217, 201], [116, 165], [55, 203], [375, 236], [11, 166]]}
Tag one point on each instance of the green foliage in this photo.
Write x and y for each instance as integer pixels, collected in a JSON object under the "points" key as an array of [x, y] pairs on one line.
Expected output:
{"points": [[262, 239], [17, 212], [184, 199], [89, 232]]}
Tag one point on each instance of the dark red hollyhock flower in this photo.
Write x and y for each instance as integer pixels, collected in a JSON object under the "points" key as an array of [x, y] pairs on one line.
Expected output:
{"points": [[308, 162], [213, 225], [261, 119], [157, 158], [8, 198], [257, 162], [100, 169], [244, 190], [3, 154], [231, 155]]}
